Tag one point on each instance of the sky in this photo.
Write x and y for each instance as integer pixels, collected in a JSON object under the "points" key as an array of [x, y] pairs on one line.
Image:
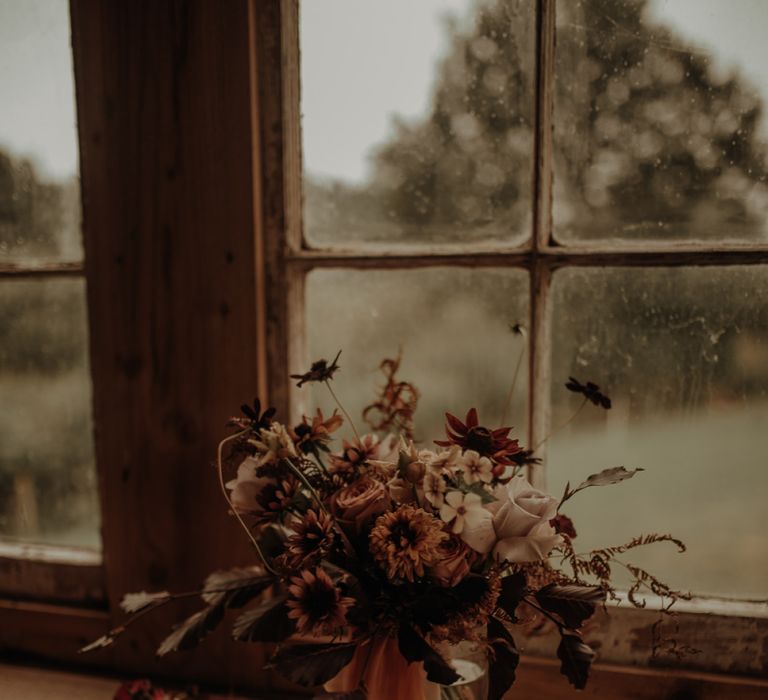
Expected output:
{"points": [[363, 61]]}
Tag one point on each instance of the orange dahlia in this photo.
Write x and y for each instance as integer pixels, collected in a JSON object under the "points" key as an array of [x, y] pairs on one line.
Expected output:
{"points": [[404, 542]]}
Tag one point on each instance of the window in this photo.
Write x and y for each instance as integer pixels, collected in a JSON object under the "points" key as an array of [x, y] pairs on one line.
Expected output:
{"points": [[198, 277], [594, 170], [49, 513]]}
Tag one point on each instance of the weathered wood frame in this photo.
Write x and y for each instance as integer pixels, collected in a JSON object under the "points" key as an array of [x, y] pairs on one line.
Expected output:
{"points": [[231, 70], [743, 627]]}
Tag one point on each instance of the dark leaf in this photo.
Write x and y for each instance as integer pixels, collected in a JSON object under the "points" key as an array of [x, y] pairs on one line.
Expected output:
{"points": [[513, 589], [269, 622], [233, 588], [576, 658], [106, 640], [191, 632], [272, 540], [607, 477], [414, 648], [135, 602], [503, 659], [573, 604], [312, 664]]}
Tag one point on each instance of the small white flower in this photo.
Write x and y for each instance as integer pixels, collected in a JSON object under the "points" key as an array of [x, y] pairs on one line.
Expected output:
{"points": [[434, 489], [462, 509], [444, 461], [476, 468]]}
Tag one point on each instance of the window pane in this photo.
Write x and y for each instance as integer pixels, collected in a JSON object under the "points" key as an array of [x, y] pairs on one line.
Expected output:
{"points": [[452, 324], [47, 475], [660, 130], [416, 121], [683, 353], [39, 187]]}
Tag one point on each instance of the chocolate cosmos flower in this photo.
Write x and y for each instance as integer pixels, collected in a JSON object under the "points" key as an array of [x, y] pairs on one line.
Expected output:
{"points": [[320, 371], [590, 391]]}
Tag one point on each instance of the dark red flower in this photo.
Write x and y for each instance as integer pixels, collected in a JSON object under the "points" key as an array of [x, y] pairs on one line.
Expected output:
{"points": [[139, 690], [590, 391], [563, 525], [320, 371], [470, 435]]}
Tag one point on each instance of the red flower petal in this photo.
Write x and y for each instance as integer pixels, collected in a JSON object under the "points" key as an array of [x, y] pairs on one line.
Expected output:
{"points": [[471, 420], [456, 424]]}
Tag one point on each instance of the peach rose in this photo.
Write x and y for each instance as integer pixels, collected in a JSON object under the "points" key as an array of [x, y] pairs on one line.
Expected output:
{"points": [[356, 505], [454, 563]]}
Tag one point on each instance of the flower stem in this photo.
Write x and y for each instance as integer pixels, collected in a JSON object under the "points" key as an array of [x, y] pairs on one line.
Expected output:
{"points": [[343, 410], [563, 425], [220, 471], [508, 403]]}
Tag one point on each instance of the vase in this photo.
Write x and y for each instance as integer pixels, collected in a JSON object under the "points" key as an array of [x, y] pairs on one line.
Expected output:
{"points": [[381, 667]]}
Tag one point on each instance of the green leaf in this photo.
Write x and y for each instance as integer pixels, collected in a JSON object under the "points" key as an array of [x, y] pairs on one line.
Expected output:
{"points": [[312, 664], [269, 622], [576, 658], [573, 604], [414, 648]]}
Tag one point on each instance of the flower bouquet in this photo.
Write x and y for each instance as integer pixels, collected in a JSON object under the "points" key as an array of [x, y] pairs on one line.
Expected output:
{"points": [[385, 569]]}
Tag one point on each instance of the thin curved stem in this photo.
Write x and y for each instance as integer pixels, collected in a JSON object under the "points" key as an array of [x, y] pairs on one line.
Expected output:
{"points": [[220, 471], [510, 395], [561, 426], [343, 410]]}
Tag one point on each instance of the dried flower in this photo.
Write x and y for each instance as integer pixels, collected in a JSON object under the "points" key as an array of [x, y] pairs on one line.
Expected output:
{"points": [[404, 542], [312, 538], [312, 437], [476, 468], [443, 462], [276, 498], [317, 604], [434, 489], [590, 391], [273, 444], [470, 435], [320, 371], [410, 465], [140, 690], [356, 453], [563, 525], [396, 404]]}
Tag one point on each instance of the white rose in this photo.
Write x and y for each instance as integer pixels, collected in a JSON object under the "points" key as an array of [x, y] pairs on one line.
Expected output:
{"points": [[521, 522]]}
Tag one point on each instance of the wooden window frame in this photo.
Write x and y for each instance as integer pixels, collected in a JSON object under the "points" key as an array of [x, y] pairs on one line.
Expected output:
{"points": [[191, 180], [623, 634]]}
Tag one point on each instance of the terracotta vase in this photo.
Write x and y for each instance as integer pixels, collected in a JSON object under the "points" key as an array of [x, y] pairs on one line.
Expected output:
{"points": [[385, 672]]}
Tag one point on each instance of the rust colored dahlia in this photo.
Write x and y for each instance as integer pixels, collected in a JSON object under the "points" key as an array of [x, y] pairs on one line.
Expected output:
{"points": [[313, 536], [470, 435], [317, 604], [404, 542]]}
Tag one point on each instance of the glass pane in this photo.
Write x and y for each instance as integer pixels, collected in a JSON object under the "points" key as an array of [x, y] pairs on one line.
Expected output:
{"points": [[47, 474], [452, 325], [683, 353], [39, 186], [660, 130], [417, 121]]}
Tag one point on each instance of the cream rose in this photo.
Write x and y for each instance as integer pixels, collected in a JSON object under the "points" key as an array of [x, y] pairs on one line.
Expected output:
{"points": [[521, 522], [358, 504]]}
